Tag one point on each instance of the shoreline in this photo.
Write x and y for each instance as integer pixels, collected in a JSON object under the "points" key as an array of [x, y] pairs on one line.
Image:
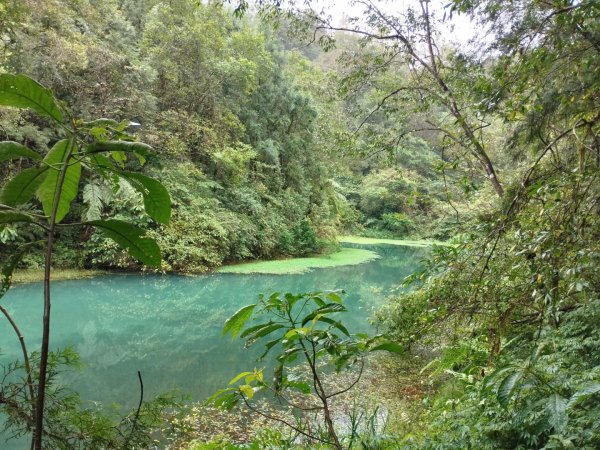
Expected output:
{"points": [[287, 266]]}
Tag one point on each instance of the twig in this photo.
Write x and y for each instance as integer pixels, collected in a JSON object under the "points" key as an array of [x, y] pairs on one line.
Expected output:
{"points": [[283, 421], [137, 413]]}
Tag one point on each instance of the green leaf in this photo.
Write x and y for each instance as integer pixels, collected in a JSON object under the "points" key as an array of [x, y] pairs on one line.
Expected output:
{"points": [[224, 398], [557, 415], [55, 159], [268, 346], [119, 157], [102, 122], [144, 249], [13, 150], [236, 322], [583, 394], [334, 323], [262, 331], [239, 376], [157, 200], [250, 330], [388, 347], [326, 309], [13, 217], [21, 188], [334, 297], [507, 387], [278, 376], [289, 355], [138, 148], [300, 386], [21, 91], [247, 390]]}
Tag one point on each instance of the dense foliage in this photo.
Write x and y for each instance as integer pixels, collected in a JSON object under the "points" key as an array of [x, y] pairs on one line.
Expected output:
{"points": [[269, 148], [224, 105]]}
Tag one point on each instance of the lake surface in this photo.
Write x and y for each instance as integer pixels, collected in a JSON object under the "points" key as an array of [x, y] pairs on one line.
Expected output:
{"points": [[169, 327]]}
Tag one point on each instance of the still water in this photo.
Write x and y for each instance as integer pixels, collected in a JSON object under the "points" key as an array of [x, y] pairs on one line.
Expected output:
{"points": [[169, 327]]}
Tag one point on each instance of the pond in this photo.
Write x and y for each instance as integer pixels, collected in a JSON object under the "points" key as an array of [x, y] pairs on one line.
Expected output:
{"points": [[169, 327]]}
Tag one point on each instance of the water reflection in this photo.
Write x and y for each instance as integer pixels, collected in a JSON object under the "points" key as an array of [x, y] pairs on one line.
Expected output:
{"points": [[169, 327]]}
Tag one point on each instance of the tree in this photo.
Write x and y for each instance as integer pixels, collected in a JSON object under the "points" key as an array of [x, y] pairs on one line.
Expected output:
{"points": [[431, 78], [99, 147], [305, 326]]}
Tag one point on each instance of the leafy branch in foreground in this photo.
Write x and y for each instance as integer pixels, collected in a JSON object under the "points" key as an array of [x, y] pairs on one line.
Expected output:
{"points": [[98, 148], [301, 327]]}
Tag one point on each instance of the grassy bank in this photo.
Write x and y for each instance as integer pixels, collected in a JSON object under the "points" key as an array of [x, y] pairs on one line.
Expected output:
{"points": [[345, 257], [34, 275]]}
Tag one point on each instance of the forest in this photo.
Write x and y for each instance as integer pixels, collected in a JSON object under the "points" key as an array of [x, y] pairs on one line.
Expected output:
{"points": [[423, 175]]}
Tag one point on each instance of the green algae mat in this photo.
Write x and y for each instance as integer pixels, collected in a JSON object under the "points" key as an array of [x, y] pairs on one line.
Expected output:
{"points": [[345, 257]]}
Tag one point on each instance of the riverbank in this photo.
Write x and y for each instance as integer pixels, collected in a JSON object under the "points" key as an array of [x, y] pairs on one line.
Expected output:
{"points": [[344, 257], [36, 275]]}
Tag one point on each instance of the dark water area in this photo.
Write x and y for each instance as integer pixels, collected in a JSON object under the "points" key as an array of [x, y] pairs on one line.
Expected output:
{"points": [[168, 327]]}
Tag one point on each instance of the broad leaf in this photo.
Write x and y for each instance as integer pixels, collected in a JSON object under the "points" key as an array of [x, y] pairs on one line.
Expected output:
{"points": [[144, 249], [55, 159], [261, 332], [157, 201], [247, 390], [388, 347], [334, 297], [13, 150], [557, 415], [21, 188], [138, 148], [236, 322], [13, 217], [583, 394], [333, 323], [239, 376], [21, 91], [507, 387], [300, 386], [326, 309]]}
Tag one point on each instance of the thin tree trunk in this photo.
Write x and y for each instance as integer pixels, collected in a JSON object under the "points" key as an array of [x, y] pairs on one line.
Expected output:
{"points": [[39, 418]]}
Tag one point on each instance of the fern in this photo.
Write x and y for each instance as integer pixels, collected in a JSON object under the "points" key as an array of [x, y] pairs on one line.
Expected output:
{"points": [[95, 197]]}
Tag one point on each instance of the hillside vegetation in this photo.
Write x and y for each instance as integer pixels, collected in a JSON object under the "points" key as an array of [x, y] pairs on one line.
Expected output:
{"points": [[277, 128]]}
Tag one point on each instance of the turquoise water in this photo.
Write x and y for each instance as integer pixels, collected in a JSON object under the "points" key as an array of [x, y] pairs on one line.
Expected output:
{"points": [[169, 327]]}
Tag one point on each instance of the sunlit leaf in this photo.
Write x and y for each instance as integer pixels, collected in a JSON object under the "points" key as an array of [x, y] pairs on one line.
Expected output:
{"points": [[247, 391], [238, 377]]}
